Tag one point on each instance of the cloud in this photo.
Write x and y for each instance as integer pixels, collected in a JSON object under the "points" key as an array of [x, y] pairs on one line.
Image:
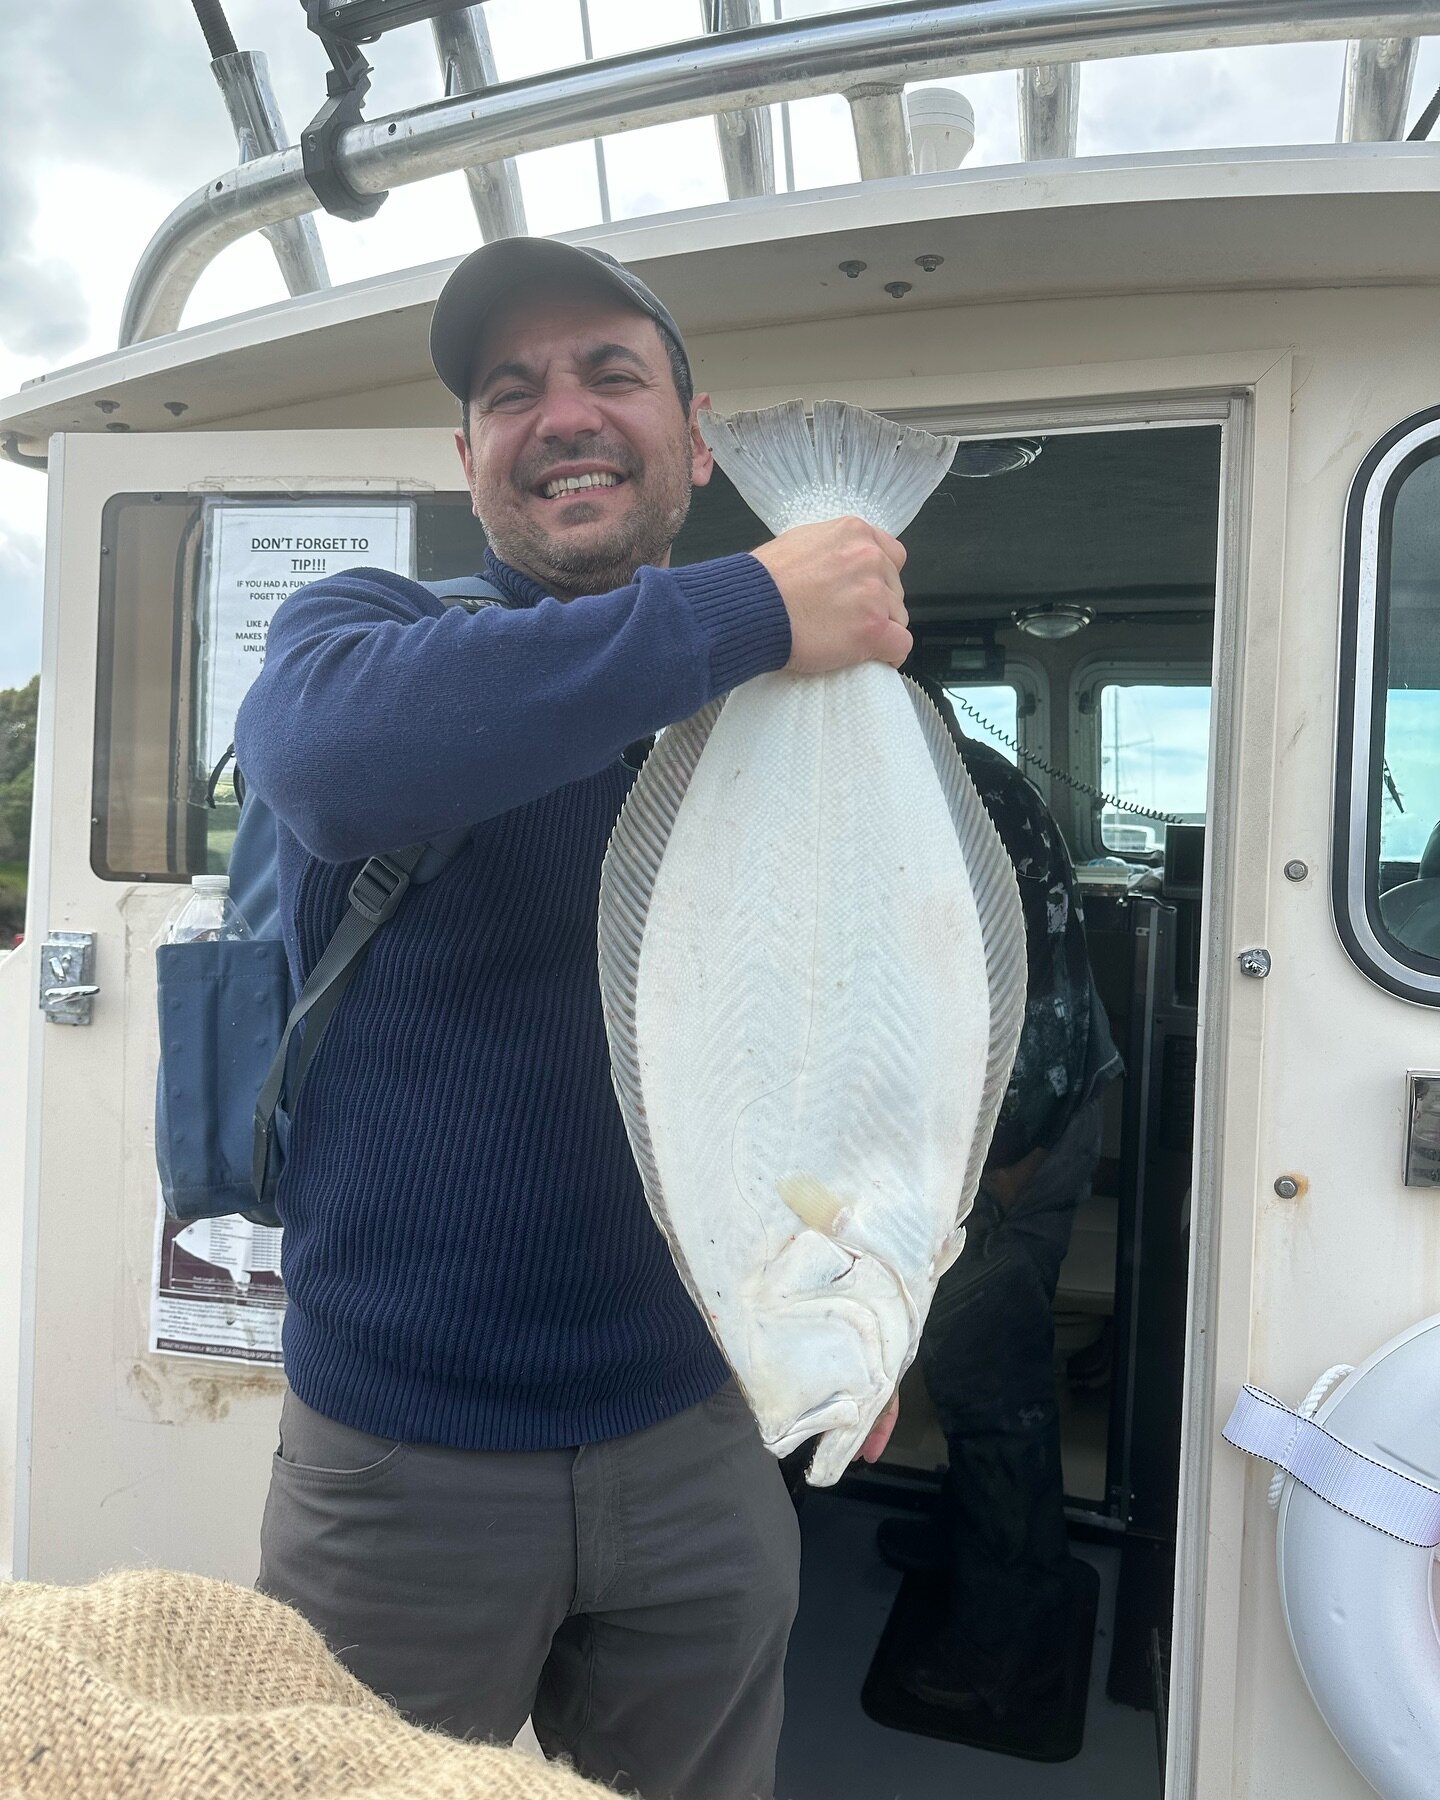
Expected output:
{"points": [[43, 311], [125, 86], [62, 76], [1283, 94]]}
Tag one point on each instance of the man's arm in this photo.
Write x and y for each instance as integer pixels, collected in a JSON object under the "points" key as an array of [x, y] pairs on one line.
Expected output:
{"points": [[382, 718]]}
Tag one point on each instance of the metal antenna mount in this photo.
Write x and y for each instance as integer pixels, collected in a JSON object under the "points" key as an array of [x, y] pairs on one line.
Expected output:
{"points": [[346, 86]]}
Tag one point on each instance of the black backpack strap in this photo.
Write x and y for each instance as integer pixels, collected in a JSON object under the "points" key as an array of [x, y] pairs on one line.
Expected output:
{"points": [[470, 591], [374, 895], [214, 782]]}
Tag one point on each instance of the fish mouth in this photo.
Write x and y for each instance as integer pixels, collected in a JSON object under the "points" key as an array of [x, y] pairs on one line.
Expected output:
{"points": [[838, 1411]]}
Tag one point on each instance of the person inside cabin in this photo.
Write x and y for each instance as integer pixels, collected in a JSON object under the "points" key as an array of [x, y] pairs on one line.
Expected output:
{"points": [[514, 1477], [987, 1353]]}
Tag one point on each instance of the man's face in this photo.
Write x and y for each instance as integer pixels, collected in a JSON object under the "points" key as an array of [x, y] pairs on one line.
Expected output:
{"points": [[567, 387]]}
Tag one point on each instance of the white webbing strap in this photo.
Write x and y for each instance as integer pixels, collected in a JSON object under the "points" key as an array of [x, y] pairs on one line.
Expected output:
{"points": [[1393, 1503]]}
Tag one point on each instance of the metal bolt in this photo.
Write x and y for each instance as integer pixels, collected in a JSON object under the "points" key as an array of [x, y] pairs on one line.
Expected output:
{"points": [[1255, 962], [930, 262], [107, 406], [897, 290], [115, 425], [853, 269], [1296, 870], [176, 407], [1286, 1186]]}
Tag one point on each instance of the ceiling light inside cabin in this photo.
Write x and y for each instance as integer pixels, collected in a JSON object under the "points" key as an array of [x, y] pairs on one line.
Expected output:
{"points": [[1057, 620]]}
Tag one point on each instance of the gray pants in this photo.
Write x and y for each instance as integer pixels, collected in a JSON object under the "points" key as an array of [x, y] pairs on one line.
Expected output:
{"points": [[634, 1597]]}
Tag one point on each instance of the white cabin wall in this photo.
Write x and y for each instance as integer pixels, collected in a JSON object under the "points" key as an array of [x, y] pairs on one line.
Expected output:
{"points": [[18, 975], [916, 357], [405, 403], [1356, 1257]]}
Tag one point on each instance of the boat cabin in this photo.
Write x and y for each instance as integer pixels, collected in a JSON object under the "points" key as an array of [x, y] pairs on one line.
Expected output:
{"points": [[1185, 573]]}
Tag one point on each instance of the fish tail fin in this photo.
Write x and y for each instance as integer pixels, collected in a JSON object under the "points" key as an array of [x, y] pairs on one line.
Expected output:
{"points": [[848, 461]]}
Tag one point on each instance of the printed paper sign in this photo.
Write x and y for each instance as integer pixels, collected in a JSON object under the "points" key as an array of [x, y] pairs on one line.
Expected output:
{"points": [[217, 1290], [255, 557]]}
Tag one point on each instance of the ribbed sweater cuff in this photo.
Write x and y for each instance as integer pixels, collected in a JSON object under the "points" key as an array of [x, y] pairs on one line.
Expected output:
{"points": [[741, 615]]}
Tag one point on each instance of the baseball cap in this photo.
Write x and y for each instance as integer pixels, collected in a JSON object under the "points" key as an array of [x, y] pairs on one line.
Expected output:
{"points": [[487, 275]]}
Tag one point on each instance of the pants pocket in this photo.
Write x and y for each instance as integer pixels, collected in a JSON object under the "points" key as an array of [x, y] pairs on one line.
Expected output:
{"points": [[315, 1449]]}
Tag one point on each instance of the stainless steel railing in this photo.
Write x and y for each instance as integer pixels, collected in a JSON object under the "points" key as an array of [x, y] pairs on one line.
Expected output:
{"points": [[869, 54]]}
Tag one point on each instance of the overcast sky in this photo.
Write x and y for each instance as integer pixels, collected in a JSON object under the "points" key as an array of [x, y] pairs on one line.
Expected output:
{"points": [[112, 117]]}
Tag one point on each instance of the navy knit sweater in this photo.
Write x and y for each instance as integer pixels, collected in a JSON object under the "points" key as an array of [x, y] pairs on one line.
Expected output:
{"points": [[468, 1253]]}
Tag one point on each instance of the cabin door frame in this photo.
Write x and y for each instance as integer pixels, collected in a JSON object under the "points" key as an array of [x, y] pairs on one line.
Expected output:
{"points": [[114, 1456], [1249, 394]]}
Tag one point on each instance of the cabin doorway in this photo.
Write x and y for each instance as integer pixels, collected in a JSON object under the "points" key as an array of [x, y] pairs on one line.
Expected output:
{"points": [[132, 1453], [1066, 604]]}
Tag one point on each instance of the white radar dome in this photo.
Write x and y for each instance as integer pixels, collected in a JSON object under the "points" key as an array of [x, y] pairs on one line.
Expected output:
{"points": [[942, 128]]}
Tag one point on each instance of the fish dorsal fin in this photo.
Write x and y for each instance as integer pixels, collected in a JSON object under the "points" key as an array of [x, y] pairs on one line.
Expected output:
{"points": [[627, 883], [1002, 923]]}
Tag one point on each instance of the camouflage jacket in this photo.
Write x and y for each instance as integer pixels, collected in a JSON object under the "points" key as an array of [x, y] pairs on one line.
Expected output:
{"points": [[1066, 1052]]}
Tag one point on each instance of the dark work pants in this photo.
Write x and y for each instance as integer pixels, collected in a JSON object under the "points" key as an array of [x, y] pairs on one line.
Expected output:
{"points": [[634, 1596], [987, 1357]]}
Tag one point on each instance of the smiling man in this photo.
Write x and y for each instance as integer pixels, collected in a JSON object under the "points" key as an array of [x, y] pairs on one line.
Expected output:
{"points": [[513, 1475]]}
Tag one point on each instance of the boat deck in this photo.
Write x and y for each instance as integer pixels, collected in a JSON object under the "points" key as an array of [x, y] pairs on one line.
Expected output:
{"points": [[831, 1750]]}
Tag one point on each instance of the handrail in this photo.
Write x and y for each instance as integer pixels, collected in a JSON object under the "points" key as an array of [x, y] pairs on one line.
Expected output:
{"points": [[917, 40]]}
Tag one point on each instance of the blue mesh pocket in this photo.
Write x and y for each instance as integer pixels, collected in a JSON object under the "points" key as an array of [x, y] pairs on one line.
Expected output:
{"points": [[223, 1007]]}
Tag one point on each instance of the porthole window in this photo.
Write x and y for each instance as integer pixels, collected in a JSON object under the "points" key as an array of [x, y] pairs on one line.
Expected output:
{"points": [[1387, 813]]}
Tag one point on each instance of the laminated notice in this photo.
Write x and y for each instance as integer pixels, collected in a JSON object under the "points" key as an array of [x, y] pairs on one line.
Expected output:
{"points": [[257, 554], [217, 1291]]}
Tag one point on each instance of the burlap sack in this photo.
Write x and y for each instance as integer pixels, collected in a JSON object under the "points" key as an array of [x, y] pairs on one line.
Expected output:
{"points": [[149, 1685]]}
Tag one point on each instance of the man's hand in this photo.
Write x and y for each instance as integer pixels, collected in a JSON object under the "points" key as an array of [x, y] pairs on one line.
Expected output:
{"points": [[840, 582], [874, 1446]]}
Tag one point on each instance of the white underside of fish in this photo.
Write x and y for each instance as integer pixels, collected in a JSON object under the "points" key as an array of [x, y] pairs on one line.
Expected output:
{"points": [[812, 959]]}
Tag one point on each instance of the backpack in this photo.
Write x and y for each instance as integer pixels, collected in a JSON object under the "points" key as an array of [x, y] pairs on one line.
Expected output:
{"points": [[233, 1056]]}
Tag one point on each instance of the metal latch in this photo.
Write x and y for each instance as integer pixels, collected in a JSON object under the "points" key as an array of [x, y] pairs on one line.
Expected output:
{"points": [[1422, 1128], [67, 977]]}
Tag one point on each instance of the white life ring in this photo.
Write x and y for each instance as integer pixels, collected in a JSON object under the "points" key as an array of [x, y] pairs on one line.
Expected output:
{"points": [[1359, 1604]]}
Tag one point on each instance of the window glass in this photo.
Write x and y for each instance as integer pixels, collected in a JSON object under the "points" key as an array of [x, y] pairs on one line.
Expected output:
{"points": [[1405, 775], [1385, 877], [988, 712], [1154, 747], [188, 586], [1410, 798]]}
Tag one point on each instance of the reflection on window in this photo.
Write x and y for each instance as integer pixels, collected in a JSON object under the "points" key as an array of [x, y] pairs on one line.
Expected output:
{"points": [[180, 640], [1405, 776], [1410, 800], [1154, 743], [989, 713]]}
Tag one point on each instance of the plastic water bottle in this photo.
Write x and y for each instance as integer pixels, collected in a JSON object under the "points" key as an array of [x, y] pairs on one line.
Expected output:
{"points": [[209, 914]]}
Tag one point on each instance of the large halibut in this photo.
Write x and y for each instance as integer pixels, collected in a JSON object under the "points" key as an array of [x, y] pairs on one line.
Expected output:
{"points": [[813, 967]]}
